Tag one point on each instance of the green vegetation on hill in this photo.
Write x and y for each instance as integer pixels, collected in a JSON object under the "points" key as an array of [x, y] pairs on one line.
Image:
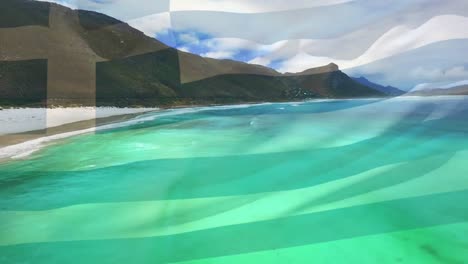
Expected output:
{"points": [[153, 79], [17, 13], [23, 82]]}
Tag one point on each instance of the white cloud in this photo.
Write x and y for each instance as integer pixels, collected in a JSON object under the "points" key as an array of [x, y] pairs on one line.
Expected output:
{"points": [[248, 6], [456, 72], [402, 38], [438, 62], [184, 49], [153, 24], [295, 52], [455, 84], [231, 44], [189, 38], [424, 86], [441, 85], [396, 41], [260, 61], [219, 54], [323, 22], [303, 61], [431, 73]]}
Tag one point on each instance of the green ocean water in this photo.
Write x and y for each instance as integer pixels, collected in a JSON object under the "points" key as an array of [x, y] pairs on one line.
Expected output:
{"points": [[333, 181]]}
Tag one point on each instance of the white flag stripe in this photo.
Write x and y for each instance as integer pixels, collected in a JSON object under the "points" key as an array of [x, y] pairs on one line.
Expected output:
{"points": [[120, 9], [248, 6], [301, 54], [18, 227], [292, 36], [385, 245], [396, 41]]}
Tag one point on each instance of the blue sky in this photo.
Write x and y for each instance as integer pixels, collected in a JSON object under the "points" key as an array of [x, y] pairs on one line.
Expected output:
{"points": [[373, 38]]}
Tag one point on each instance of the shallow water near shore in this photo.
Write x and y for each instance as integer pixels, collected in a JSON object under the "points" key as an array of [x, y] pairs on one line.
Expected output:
{"points": [[337, 181]]}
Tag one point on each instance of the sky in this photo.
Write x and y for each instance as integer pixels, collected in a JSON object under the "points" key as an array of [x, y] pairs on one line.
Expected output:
{"points": [[417, 44]]}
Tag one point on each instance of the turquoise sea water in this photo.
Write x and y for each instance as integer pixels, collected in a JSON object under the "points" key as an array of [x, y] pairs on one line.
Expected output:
{"points": [[340, 181]]}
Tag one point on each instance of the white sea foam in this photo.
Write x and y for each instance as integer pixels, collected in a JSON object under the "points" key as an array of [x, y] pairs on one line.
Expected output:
{"points": [[27, 148], [18, 120]]}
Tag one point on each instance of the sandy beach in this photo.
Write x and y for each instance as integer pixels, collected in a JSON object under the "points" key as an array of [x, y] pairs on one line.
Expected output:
{"points": [[23, 131], [19, 120], [19, 125]]}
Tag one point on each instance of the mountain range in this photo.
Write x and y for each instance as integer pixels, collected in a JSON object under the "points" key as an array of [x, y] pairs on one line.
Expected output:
{"points": [[53, 55], [389, 90]]}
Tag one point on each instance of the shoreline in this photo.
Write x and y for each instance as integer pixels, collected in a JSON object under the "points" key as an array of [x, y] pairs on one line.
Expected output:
{"points": [[20, 145], [20, 137], [15, 145], [19, 120]]}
